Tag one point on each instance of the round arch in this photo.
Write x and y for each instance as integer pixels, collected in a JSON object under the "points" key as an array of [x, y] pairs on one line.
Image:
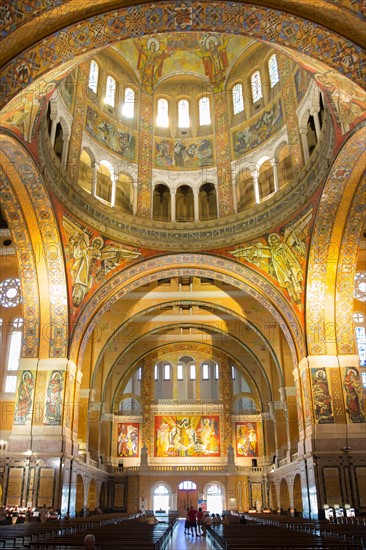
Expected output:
{"points": [[80, 494], [298, 507], [40, 257], [203, 265], [284, 496], [333, 243], [297, 44]]}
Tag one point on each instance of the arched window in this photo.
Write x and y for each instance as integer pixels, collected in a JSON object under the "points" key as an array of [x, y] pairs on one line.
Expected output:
{"points": [[359, 322], [256, 84], [110, 91], [14, 354], [204, 111], [162, 118], [274, 77], [183, 114], [93, 76], [128, 109], [238, 99]]}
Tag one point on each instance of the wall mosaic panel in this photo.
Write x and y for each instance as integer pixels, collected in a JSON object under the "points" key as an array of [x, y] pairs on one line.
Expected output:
{"points": [[24, 397], [54, 398], [128, 440], [110, 134], [352, 388], [184, 154], [187, 436], [246, 439], [263, 127], [322, 401]]}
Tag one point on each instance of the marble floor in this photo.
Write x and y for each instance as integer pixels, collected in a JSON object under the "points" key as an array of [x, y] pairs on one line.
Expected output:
{"points": [[180, 541]]}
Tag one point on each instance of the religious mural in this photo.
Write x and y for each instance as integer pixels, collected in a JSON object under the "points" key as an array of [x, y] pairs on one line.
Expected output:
{"points": [[184, 436], [246, 439], [152, 53], [24, 398], [90, 258], [110, 134], [184, 154], [269, 122], [128, 440], [215, 59], [322, 401], [301, 79], [352, 388], [54, 398], [282, 256]]}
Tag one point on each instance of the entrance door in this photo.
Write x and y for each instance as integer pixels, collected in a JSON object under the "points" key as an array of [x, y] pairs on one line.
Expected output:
{"points": [[187, 496]]}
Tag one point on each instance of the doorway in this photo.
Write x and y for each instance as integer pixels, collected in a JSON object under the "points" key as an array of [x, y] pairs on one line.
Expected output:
{"points": [[187, 496], [214, 498], [161, 499]]}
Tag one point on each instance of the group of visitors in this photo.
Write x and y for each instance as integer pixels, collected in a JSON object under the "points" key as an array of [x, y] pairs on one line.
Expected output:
{"points": [[197, 522]]}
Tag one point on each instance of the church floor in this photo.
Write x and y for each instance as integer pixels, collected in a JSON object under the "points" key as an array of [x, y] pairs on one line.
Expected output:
{"points": [[180, 541]]}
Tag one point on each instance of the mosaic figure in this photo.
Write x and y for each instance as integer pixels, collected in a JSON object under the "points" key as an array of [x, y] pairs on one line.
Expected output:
{"points": [[24, 401], [353, 388], [90, 259], [215, 60], [322, 399], [53, 408], [150, 62]]}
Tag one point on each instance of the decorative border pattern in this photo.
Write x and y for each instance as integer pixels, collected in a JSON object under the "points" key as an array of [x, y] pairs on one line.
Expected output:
{"points": [[293, 32]]}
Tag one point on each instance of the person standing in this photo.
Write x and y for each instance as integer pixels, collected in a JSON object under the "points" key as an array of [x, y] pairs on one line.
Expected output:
{"points": [[192, 520], [44, 514], [199, 518], [186, 524]]}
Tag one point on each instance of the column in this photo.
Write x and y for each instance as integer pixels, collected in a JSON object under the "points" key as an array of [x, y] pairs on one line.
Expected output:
{"points": [[145, 155], [223, 155], [65, 148], [196, 207], [80, 107], [304, 143], [315, 115], [134, 198], [226, 392], [254, 175], [289, 104], [274, 164], [95, 167], [146, 407], [114, 184], [235, 201], [173, 193], [55, 120]]}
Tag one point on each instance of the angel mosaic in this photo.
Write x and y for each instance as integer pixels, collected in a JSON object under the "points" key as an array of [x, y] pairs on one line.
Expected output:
{"points": [[281, 257], [90, 259]]}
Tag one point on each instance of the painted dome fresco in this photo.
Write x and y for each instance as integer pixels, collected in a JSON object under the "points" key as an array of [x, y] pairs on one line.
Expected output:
{"points": [[184, 132]]}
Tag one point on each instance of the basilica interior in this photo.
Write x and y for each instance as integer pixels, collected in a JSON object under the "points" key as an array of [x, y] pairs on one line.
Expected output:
{"points": [[182, 247]]}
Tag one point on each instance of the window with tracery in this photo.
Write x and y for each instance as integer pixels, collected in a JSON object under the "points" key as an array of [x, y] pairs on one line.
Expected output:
{"points": [[128, 109], [238, 98], [256, 84], [274, 76], [162, 118], [110, 91], [204, 111], [93, 76], [183, 114], [15, 349], [360, 286]]}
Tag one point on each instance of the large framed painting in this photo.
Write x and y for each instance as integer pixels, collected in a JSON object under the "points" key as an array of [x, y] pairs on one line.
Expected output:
{"points": [[246, 439], [128, 440], [182, 436]]}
